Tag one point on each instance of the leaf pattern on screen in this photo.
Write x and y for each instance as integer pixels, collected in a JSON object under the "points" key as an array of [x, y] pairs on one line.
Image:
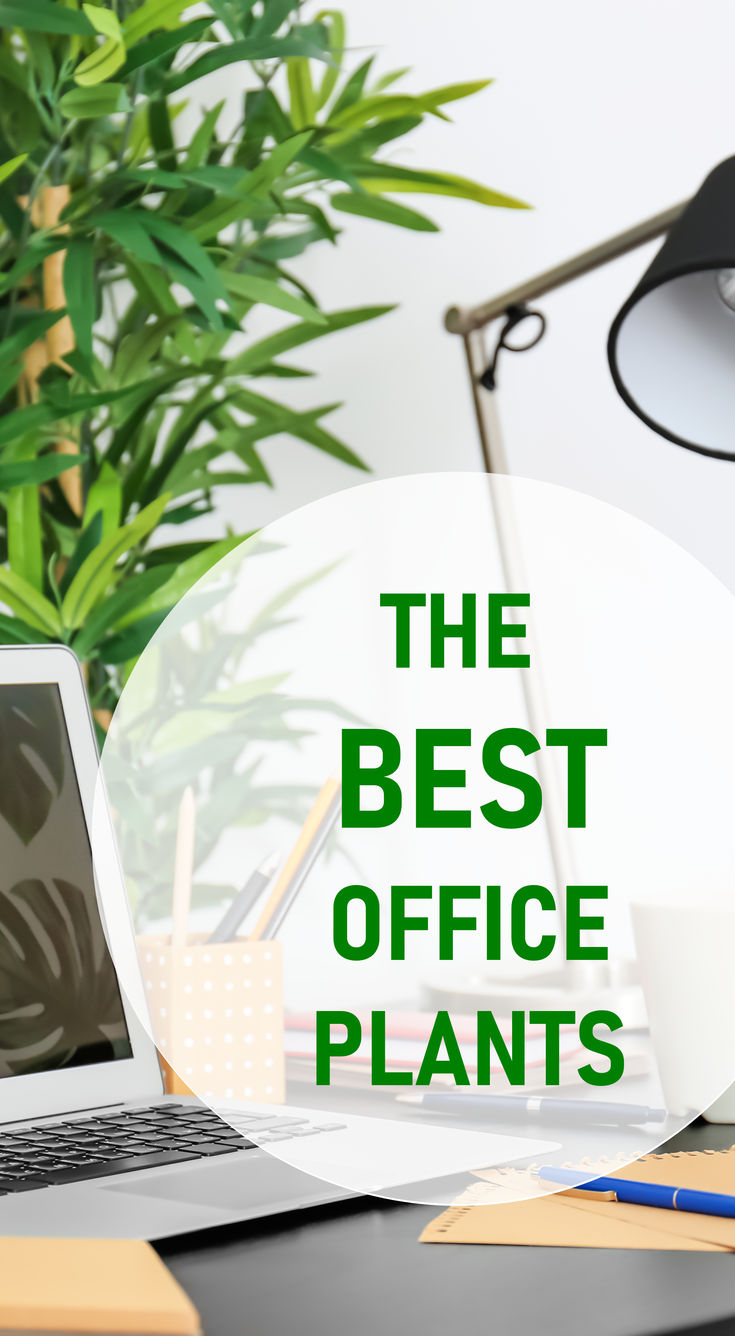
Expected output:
{"points": [[59, 1000], [31, 757]]}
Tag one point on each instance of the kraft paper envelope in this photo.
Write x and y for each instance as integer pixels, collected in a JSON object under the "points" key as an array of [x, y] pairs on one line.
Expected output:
{"points": [[565, 1221]]}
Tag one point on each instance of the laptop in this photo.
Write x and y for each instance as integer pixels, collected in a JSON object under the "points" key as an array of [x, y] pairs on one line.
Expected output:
{"points": [[90, 1144]]}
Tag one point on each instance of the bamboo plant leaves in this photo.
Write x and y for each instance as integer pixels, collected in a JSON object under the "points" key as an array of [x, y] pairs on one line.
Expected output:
{"points": [[170, 241]]}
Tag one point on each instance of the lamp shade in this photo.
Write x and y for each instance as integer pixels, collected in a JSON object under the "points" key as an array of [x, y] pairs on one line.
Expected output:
{"points": [[672, 345]]}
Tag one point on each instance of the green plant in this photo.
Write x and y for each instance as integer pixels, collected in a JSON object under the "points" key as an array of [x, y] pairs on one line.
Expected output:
{"points": [[129, 261]]}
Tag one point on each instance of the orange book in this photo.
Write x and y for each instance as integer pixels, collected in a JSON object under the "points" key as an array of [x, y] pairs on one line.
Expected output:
{"points": [[110, 1286]]}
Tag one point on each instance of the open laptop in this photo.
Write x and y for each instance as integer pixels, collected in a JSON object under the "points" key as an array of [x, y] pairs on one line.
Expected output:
{"points": [[89, 1142]]}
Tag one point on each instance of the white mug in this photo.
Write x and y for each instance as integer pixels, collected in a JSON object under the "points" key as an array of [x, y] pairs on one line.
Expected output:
{"points": [[686, 956]]}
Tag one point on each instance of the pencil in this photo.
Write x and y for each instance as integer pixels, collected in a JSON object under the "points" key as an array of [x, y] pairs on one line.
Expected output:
{"points": [[183, 868], [306, 837]]}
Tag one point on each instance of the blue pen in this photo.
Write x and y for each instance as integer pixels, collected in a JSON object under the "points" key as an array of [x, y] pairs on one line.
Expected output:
{"points": [[643, 1194]]}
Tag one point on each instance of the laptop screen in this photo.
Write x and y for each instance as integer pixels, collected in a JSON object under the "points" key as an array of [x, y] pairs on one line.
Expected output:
{"points": [[60, 1003]]}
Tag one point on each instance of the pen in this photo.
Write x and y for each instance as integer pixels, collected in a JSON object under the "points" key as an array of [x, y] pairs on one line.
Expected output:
{"points": [[586, 1110], [226, 929], [644, 1194]]}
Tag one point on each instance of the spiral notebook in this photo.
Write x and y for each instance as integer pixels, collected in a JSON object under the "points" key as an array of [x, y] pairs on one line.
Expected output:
{"points": [[485, 1212]]}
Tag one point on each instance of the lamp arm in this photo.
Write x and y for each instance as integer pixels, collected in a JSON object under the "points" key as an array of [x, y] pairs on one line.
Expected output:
{"points": [[470, 323], [464, 320]]}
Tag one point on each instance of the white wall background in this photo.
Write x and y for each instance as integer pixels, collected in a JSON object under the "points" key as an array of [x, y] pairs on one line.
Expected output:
{"points": [[600, 116]]}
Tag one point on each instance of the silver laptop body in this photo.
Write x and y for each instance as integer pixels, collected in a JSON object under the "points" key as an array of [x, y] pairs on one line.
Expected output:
{"points": [[72, 1067]]}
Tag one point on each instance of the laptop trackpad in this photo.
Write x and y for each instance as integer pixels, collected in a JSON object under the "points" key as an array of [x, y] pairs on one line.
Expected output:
{"points": [[251, 1181]]}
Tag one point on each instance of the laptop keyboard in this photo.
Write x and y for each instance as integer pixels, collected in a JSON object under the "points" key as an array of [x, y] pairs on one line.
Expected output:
{"points": [[133, 1139]]}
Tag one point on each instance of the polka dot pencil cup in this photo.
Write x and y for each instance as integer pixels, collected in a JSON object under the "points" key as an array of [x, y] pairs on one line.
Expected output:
{"points": [[217, 1016]]}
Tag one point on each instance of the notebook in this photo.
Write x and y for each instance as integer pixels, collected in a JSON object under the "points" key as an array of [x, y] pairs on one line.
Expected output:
{"points": [[85, 1286], [485, 1214]]}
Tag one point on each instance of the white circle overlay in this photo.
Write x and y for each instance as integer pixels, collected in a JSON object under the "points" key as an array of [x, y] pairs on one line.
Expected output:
{"points": [[262, 687]]}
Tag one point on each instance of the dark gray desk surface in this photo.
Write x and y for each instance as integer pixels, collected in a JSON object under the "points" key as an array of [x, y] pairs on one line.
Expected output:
{"points": [[357, 1270]]}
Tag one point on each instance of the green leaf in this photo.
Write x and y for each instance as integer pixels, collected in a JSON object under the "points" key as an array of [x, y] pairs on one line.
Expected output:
{"points": [[383, 211], [20, 122], [94, 103], [273, 15], [15, 71], [185, 246], [379, 178], [66, 404], [14, 425], [263, 352], [151, 286], [138, 351], [88, 540], [129, 644], [13, 631], [197, 410], [128, 430], [168, 594], [23, 599], [108, 57], [188, 262], [153, 48], [105, 498], [12, 216], [202, 138], [104, 21], [335, 25], [9, 379], [94, 576], [275, 249], [305, 40], [159, 180], [301, 93], [23, 520], [19, 472], [392, 77], [43, 16], [131, 594], [161, 134], [305, 430], [367, 142], [79, 291], [255, 185], [328, 167], [453, 92], [383, 108], [101, 64], [11, 166], [264, 118], [31, 259], [29, 331], [23, 525], [265, 290], [352, 91], [39, 49], [304, 426], [126, 227], [151, 15]]}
